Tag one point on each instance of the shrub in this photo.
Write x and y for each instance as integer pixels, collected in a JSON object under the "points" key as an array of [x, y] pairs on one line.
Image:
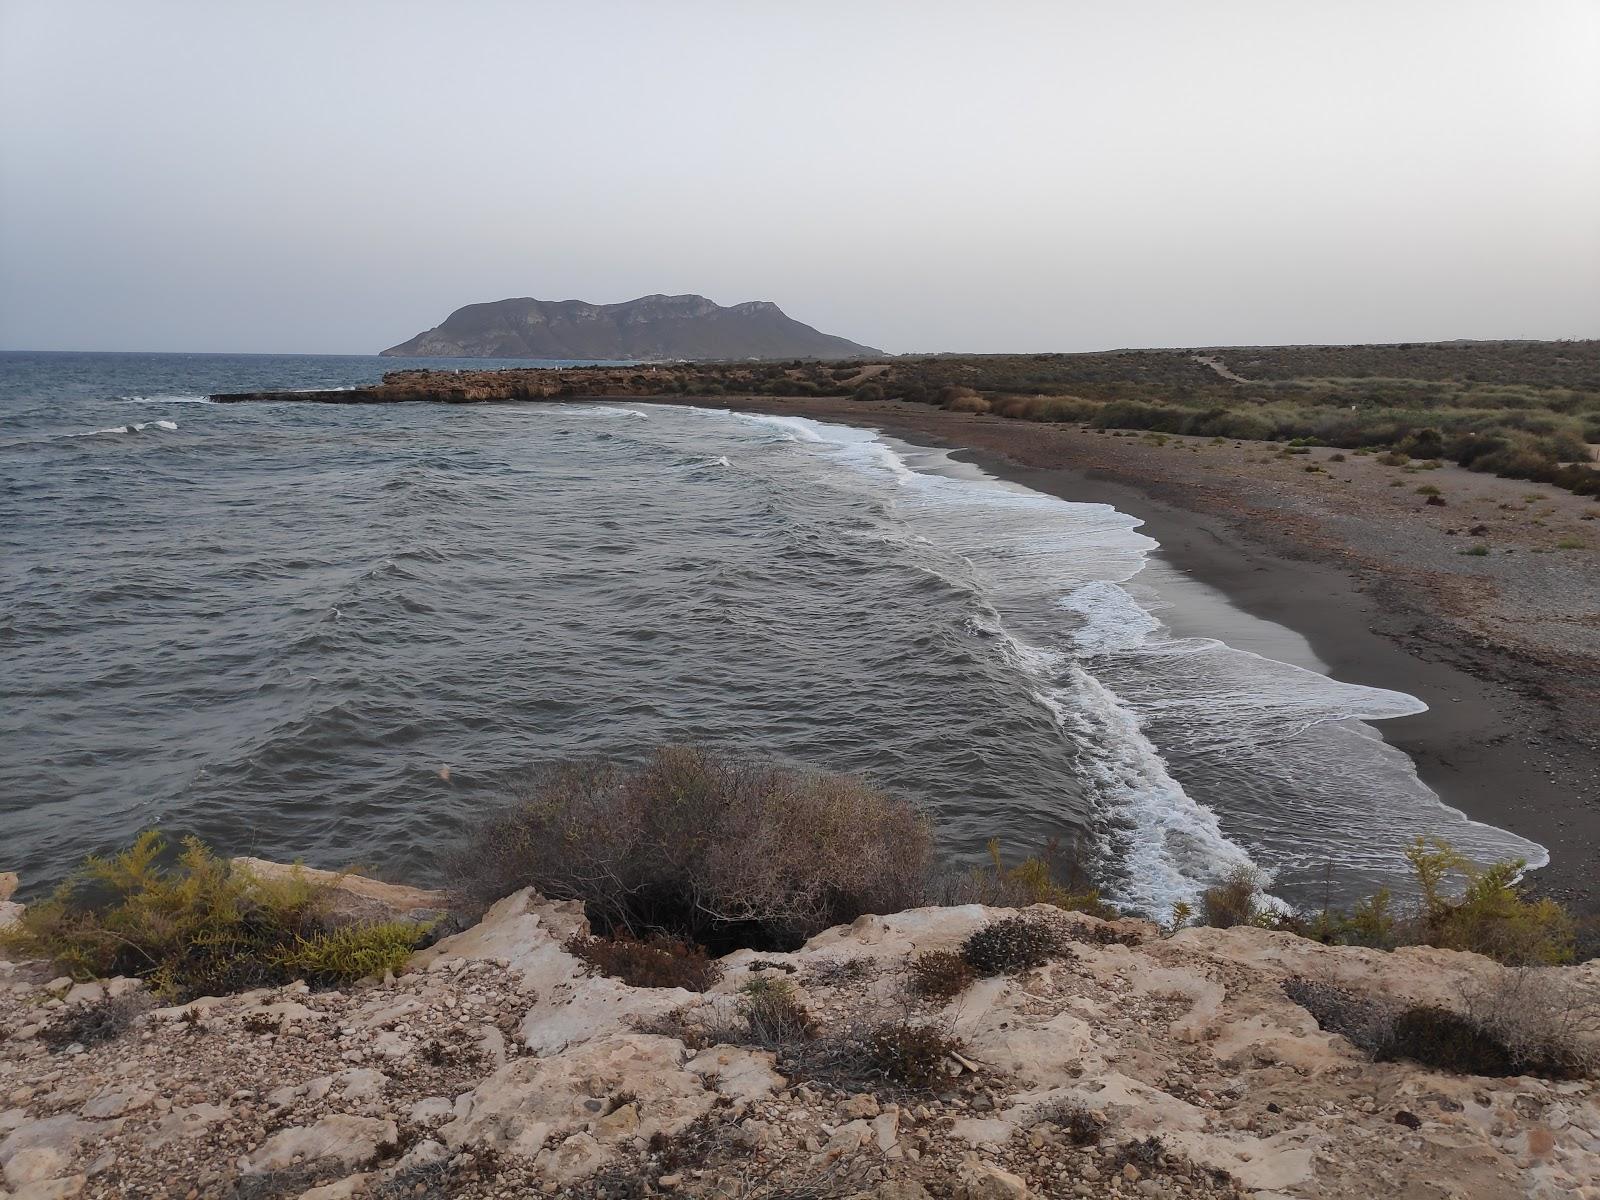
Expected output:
{"points": [[199, 926], [1527, 1023], [91, 1024], [1083, 1126], [335, 956], [906, 1053], [961, 399], [717, 850], [1233, 901], [1031, 881], [659, 961], [773, 1013], [1492, 916], [939, 975], [1014, 944]]}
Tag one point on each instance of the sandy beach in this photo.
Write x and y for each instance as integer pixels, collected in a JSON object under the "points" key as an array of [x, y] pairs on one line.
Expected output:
{"points": [[1504, 646]]}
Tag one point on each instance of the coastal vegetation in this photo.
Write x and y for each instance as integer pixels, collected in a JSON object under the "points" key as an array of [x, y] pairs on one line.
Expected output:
{"points": [[1525, 410], [716, 850], [1458, 905], [198, 925]]}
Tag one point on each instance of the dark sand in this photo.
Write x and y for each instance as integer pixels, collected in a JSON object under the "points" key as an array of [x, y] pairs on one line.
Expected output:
{"points": [[1510, 735]]}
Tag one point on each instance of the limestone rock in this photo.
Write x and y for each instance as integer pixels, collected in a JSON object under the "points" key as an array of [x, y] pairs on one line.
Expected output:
{"points": [[355, 897], [341, 1138], [978, 1180]]}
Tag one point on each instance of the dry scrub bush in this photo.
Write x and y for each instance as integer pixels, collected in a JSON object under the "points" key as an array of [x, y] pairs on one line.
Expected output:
{"points": [[719, 850], [1528, 1022], [90, 1024], [1015, 944], [939, 975], [1082, 1126], [658, 961], [1234, 900], [200, 926]]}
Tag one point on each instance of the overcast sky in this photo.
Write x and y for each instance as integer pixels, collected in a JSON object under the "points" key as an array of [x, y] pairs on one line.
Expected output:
{"points": [[336, 176]]}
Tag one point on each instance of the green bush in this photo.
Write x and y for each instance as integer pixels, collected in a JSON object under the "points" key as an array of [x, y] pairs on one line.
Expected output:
{"points": [[200, 926], [1459, 906], [1031, 881], [773, 1012]]}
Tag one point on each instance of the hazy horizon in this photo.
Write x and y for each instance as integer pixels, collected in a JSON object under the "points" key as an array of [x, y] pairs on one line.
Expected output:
{"points": [[920, 177]]}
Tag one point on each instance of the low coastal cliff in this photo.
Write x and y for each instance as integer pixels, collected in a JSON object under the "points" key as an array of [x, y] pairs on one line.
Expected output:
{"points": [[494, 1064]]}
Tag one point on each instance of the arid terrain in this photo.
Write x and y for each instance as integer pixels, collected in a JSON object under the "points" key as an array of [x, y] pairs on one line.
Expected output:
{"points": [[1128, 1062]]}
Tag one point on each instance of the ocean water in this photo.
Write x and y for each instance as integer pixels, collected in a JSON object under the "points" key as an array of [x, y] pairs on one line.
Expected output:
{"points": [[336, 633]]}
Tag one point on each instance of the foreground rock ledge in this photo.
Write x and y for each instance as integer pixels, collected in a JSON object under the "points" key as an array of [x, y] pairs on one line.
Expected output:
{"points": [[494, 1067]]}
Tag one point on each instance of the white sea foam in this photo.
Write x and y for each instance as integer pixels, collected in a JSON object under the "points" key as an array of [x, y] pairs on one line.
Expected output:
{"points": [[165, 399], [138, 427]]}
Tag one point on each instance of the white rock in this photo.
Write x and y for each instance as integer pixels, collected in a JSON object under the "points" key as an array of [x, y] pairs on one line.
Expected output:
{"points": [[343, 1138], [976, 1180]]}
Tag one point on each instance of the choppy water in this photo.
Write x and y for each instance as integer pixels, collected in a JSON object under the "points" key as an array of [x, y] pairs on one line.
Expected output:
{"points": [[334, 632]]}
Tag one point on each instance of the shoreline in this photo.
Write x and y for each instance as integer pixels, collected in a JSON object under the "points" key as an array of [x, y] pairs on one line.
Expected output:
{"points": [[1483, 745]]}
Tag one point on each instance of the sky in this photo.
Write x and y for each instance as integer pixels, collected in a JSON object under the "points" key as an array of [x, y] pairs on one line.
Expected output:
{"points": [[335, 176]]}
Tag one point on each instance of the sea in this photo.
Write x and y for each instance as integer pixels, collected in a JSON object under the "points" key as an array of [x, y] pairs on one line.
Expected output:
{"points": [[340, 633]]}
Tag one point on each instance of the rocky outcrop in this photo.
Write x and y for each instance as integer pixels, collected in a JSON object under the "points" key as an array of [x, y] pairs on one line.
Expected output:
{"points": [[495, 1066], [651, 328]]}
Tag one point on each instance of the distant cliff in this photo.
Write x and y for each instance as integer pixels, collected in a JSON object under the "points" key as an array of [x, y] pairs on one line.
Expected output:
{"points": [[651, 327]]}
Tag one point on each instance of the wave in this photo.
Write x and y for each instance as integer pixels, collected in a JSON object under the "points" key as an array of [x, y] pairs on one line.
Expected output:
{"points": [[1160, 729], [181, 398], [138, 427]]}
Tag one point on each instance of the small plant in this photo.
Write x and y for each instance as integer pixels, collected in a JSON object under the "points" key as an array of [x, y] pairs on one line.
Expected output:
{"points": [[1491, 917], [1082, 1126], [1337, 457], [1570, 544], [1182, 914], [1031, 881], [773, 1012], [1014, 944], [915, 1056], [351, 952], [1427, 489], [1146, 1154], [1478, 551], [939, 975], [1394, 458], [656, 962], [91, 1024], [1234, 900]]}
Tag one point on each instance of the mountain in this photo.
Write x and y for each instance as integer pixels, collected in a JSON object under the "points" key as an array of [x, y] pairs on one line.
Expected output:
{"points": [[651, 327]]}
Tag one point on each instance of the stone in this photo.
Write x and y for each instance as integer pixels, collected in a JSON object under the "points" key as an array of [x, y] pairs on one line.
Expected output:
{"points": [[430, 1110], [51, 1189], [40, 1149], [862, 1105], [355, 897], [8, 884], [978, 1180], [342, 1138]]}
